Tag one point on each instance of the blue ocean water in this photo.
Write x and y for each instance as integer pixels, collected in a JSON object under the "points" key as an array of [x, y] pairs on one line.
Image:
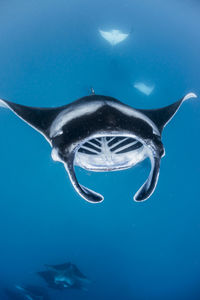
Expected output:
{"points": [[51, 53]]}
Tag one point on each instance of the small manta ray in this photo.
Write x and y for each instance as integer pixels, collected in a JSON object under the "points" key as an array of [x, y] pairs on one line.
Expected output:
{"points": [[100, 133], [114, 36], [64, 276], [29, 292], [144, 88]]}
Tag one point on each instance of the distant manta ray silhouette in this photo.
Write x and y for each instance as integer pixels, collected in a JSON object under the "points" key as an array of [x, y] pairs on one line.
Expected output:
{"points": [[114, 36], [99, 133]]}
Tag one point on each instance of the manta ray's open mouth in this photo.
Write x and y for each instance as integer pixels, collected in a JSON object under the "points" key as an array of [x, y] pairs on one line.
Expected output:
{"points": [[109, 153]]}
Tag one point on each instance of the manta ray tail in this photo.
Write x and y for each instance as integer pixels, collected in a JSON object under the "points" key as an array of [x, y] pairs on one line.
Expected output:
{"points": [[163, 115], [38, 118]]}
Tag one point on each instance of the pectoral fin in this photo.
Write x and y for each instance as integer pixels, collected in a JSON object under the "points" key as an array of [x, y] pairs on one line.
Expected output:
{"points": [[163, 115], [38, 118]]}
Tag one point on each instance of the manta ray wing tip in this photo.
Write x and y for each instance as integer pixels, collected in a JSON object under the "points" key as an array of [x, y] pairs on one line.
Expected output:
{"points": [[189, 95], [3, 104]]}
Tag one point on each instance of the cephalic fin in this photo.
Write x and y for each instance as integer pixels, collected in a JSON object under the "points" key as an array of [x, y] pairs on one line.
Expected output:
{"points": [[84, 192], [149, 186]]}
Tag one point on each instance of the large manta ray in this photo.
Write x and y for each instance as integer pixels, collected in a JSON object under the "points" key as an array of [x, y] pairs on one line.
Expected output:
{"points": [[99, 133]]}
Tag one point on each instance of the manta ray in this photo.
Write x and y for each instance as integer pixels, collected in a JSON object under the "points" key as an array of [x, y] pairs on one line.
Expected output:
{"points": [[114, 36], [144, 88], [64, 276], [100, 133], [29, 292]]}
